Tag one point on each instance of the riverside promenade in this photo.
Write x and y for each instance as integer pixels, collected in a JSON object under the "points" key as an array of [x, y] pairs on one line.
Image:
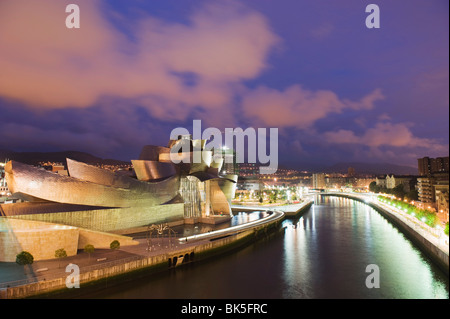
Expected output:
{"points": [[290, 210], [163, 253], [432, 241]]}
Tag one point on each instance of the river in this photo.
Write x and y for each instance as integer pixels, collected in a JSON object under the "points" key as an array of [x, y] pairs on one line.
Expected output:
{"points": [[323, 254]]}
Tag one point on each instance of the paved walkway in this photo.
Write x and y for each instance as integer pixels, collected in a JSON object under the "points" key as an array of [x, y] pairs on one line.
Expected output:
{"points": [[288, 208], [13, 274], [433, 235]]}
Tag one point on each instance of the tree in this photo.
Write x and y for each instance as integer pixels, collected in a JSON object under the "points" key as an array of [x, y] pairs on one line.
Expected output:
{"points": [[412, 195], [373, 187], [115, 244], [24, 258], [398, 191], [60, 254], [274, 195], [89, 249]]}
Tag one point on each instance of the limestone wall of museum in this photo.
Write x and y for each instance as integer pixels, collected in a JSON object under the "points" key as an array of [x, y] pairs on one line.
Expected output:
{"points": [[39, 239], [102, 240], [116, 268], [112, 219]]}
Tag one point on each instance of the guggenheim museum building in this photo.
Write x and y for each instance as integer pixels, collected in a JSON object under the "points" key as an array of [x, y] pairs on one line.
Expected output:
{"points": [[96, 206]]}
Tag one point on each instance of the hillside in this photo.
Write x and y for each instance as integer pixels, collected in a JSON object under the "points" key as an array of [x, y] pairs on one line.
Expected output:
{"points": [[32, 158], [372, 168]]}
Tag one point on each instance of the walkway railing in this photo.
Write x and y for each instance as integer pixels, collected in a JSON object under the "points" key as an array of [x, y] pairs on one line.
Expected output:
{"points": [[276, 215], [64, 274], [435, 236]]}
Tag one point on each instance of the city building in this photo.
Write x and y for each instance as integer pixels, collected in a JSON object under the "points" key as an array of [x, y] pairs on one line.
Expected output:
{"points": [[433, 188], [96, 204], [407, 181], [318, 181], [351, 171], [442, 198], [381, 181], [4, 190], [433, 184], [363, 183], [248, 169], [428, 166], [247, 184], [426, 190]]}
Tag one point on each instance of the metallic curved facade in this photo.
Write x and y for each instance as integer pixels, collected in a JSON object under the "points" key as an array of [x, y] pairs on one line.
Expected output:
{"points": [[217, 162], [46, 185], [99, 199], [152, 170], [98, 175], [228, 186], [152, 152], [219, 202]]}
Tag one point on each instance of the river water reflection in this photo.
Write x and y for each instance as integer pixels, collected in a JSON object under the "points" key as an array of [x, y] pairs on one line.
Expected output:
{"points": [[323, 254]]}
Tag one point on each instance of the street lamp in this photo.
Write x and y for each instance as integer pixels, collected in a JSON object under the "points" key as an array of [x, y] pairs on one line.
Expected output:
{"points": [[150, 230]]}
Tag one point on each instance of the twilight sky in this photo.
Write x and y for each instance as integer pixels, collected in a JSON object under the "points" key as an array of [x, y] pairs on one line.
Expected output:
{"points": [[336, 90]]}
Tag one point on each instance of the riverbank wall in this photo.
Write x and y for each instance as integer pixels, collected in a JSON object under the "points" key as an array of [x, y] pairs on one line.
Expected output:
{"points": [[119, 270], [298, 211], [439, 257], [290, 211]]}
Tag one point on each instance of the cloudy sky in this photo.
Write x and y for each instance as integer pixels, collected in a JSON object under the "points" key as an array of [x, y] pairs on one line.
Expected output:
{"points": [[134, 70]]}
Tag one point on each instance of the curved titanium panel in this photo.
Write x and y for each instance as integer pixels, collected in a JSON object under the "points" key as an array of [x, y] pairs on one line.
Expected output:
{"points": [[150, 170], [201, 160], [151, 152], [217, 162], [228, 186], [190, 162], [97, 175], [219, 201], [105, 177], [210, 173], [198, 145], [50, 186]]}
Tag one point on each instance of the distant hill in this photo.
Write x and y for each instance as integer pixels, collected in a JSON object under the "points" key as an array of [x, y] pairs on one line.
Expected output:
{"points": [[372, 168], [32, 158]]}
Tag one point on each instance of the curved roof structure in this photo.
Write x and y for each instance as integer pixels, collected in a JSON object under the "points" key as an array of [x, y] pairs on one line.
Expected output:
{"points": [[152, 170], [90, 186], [95, 191], [152, 152]]}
